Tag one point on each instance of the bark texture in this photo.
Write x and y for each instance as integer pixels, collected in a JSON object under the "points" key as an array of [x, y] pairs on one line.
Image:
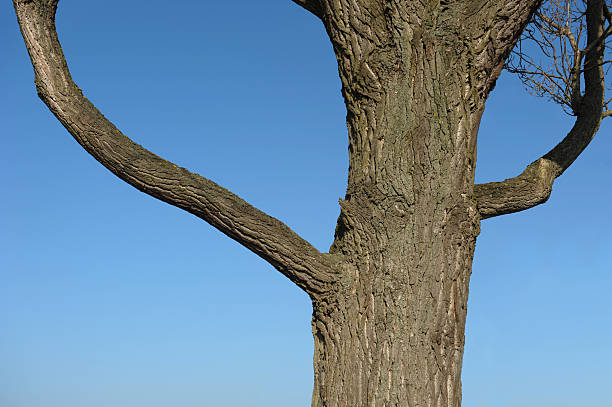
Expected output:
{"points": [[415, 77], [390, 297]]}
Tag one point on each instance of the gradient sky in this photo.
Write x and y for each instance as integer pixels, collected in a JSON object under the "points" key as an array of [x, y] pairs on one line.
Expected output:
{"points": [[111, 298]]}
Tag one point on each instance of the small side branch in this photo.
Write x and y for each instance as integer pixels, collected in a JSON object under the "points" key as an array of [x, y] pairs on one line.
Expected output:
{"points": [[264, 235], [534, 185]]}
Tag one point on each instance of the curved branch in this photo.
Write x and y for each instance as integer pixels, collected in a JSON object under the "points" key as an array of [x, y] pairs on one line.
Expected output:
{"points": [[264, 235], [534, 185]]}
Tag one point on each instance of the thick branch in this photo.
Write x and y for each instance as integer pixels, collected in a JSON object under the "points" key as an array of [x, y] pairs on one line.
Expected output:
{"points": [[264, 235], [534, 185]]}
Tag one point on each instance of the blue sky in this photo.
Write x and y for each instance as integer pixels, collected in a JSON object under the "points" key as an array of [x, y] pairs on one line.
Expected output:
{"points": [[111, 298]]}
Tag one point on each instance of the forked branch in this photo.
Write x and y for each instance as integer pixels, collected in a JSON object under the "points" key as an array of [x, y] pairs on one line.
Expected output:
{"points": [[263, 234], [534, 185]]}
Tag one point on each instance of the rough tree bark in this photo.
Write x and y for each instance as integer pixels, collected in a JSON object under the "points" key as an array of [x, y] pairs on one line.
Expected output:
{"points": [[390, 297]]}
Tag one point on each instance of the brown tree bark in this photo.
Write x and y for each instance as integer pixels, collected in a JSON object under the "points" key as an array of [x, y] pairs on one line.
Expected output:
{"points": [[393, 333], [390, 297]]}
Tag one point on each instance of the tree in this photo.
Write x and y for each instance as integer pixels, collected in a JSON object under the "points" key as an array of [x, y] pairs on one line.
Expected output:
{"points": [[391, 295]]}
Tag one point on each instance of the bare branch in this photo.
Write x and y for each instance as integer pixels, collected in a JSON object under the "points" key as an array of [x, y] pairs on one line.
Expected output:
{"points": [[262, 234], [534, 185], [556, 33], [607, 113]]}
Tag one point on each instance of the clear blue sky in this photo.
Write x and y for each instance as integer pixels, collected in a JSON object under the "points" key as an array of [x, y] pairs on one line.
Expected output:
{"points": [[111, 298]]}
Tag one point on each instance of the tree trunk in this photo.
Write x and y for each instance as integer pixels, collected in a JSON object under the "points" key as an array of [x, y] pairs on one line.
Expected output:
{"points": [[392, 332]]}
